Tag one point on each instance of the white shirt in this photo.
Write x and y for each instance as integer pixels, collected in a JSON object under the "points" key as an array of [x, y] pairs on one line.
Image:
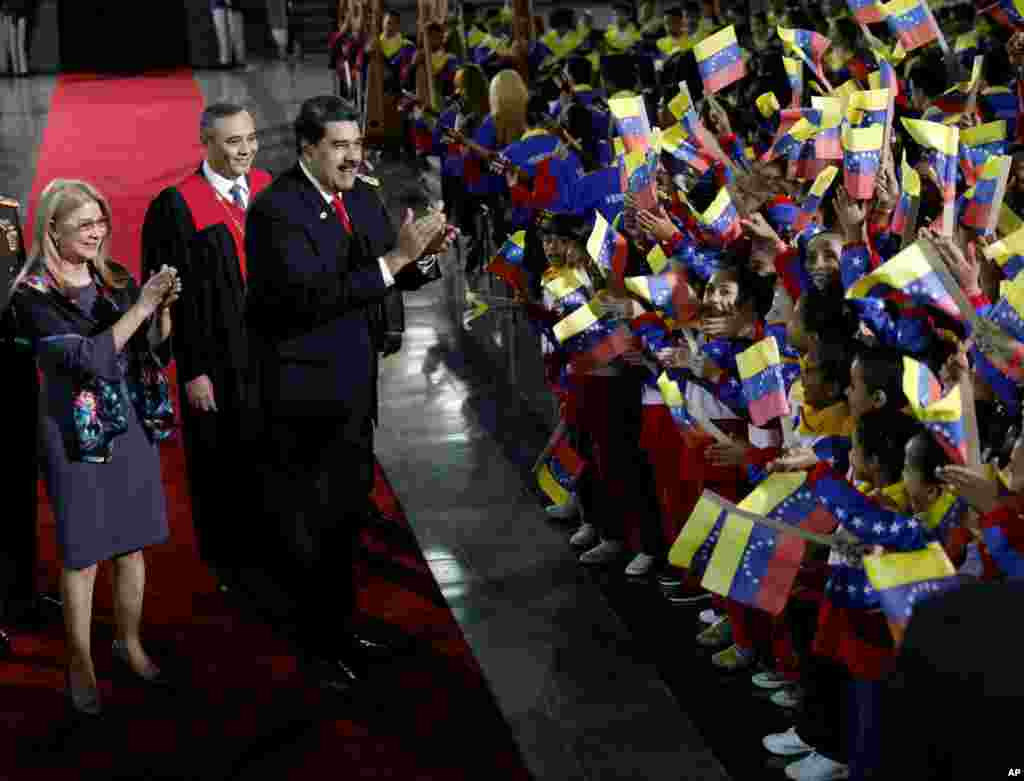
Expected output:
{"points": [[223, 185], [389, 279]]}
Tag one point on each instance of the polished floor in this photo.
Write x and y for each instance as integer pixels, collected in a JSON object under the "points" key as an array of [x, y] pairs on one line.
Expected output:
{"points": [[596, 680]]}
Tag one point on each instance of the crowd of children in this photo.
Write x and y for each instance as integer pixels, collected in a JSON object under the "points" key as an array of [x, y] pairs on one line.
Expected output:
{"points": [[772, 258]]}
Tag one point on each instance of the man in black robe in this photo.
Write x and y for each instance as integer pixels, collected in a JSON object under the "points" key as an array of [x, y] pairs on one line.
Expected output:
{"points": [[198, 227]]}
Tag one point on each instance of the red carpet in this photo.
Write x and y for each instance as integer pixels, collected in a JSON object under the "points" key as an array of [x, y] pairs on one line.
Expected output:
{"points": [[245, 712]]}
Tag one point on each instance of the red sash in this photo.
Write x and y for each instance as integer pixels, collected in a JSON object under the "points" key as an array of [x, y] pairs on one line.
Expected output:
{"points": [[207, 208]]}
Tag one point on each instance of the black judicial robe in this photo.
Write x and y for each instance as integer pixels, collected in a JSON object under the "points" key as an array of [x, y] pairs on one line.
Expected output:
{"points": [[187, 228]]}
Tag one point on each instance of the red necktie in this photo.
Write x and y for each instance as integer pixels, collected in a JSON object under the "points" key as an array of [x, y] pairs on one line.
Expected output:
{"points": [[339, 209]]}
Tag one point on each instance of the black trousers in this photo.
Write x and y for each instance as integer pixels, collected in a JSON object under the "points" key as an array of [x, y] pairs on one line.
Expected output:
{"points": [[316, 492], [824, 718], [216, 444]]}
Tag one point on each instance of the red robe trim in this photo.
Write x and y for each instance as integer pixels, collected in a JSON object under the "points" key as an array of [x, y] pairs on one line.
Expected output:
{"points": [[207, 208]]}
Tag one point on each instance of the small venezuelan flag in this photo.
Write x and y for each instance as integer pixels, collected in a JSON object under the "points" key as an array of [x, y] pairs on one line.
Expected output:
{"points": [[868, 107], [912, 22], [608, 248], [720, 60], [797, 127], [631, 120], [721, 218], [761, 373], [862, 154], [885, 78], [981, 208], [795, 74], [637, 170], [558, 473], [1008, 252], [508, 262], [812, 202], [978, 144], [675, 144], [910, 189], [692, 548], [941, 415], [911, 273], [943, 141], [669, 293], [901, 580], [866, 11], [808, 45], [755, 564], [682, 109], [592, 338]]}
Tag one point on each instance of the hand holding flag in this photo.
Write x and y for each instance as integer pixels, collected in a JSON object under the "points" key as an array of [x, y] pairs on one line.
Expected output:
{"points": [[720, 60]]}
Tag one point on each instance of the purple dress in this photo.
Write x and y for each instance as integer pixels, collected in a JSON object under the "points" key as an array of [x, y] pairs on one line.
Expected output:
{"points": [[102, 510]]}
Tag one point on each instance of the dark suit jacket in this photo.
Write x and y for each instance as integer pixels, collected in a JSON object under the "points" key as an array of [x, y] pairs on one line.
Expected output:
{"points": [[311, 286]]}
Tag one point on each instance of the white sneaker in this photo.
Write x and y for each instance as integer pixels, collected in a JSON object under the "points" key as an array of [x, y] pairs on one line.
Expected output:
{"points": [[787, 698], [817, 767], [769, 680], [640, 565], [607, 551], [786, 744], [563, 512], [584, 537], [708, 616]]}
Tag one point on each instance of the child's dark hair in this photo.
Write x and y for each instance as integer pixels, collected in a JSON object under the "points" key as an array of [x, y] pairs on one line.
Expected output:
{"points": [[925, 456], [883, 436], [752, 287], [827, 315], [883, 371], [929, 74], [833, 360]]}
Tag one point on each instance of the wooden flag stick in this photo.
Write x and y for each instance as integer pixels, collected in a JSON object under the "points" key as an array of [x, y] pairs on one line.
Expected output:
{"points": [[910, 229], [948, 217], [972, 94], [771, 523], [810, 66], [1000, 193], [970, 416]]}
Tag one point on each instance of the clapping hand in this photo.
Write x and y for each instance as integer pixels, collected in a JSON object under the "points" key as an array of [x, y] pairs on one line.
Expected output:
{"points": [[415, 237], [161, 285]]}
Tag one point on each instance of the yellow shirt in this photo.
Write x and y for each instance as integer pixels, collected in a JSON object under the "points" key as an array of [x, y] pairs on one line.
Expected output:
{"points": [[475, 37], [621, 40], [391, 46], [669, 45], [564, 45]]}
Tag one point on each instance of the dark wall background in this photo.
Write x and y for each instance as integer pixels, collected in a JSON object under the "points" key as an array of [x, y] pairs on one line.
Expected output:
{"points": [[121, 35]]}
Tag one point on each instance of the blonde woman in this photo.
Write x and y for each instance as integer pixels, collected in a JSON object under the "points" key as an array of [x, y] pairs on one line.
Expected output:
{"points": [[94, 329], [509, 97]]}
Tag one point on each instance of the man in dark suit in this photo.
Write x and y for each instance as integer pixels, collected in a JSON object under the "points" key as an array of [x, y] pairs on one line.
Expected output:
{"points": [[197, 226], [323, 256]]}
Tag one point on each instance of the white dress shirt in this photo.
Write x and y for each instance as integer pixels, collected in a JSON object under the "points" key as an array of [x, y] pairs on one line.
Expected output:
{"points": [[223, 185], [389, 280]]}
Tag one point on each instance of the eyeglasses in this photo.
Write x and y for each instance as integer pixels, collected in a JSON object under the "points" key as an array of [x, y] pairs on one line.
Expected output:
{"points": [[101, 225]]}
